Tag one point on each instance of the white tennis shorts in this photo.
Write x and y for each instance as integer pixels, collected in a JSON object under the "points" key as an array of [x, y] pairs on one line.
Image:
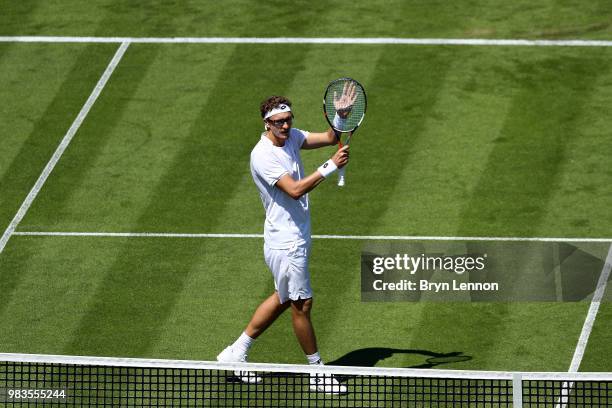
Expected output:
{"points": [[289, 268]]}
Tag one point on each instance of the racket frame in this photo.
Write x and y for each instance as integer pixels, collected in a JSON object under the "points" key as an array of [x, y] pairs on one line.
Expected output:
{"points": [[338, 132]]}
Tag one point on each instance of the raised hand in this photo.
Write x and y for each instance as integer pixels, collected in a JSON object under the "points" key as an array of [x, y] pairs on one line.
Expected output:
{"points": [[344, 103]]}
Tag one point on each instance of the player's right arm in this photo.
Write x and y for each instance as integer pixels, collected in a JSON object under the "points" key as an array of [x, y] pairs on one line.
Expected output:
{"points": [[297, 188]]}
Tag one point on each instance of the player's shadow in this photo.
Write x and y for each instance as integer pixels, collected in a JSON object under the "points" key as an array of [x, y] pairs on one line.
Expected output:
{"points": [[370, 356]]}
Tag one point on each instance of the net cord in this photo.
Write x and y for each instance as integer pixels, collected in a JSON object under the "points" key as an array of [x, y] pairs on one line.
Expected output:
{"points": [[299, 368]]}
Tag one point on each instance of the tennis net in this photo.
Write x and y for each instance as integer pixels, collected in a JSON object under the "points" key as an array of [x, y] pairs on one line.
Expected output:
{"points": [[67, 381]]}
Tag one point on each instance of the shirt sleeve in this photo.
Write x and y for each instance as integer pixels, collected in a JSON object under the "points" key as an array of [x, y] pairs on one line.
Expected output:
{"points": [[268, 169], [299, 136]]}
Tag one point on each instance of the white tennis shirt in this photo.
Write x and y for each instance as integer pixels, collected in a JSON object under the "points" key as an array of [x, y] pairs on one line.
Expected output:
{"points": [[287, 220]]}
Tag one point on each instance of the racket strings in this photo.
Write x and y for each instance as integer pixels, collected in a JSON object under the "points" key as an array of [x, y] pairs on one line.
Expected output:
{"points": [[352, 113]]}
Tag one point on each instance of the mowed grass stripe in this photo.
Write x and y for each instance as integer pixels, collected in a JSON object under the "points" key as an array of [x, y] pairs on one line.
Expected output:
{"points": [[402, 93], [94, 18], [53, 205], [223, 286], [545, 19], [17, 10], [31, 77], [158, 95], [522, 171], [56, 279], [525, 165], [22, 12], [197, 183], [503, 336], [580, 203], [63, 104], [446, 161]]}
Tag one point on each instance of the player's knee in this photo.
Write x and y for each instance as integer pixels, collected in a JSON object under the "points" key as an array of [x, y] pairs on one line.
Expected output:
{"points": [[301, 306], [307, 305]]}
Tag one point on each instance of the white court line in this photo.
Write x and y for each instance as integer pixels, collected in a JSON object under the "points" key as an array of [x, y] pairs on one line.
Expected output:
{"points": [[563, 400], [593, 309], [25, 206], [306, 40], [348, 237]]}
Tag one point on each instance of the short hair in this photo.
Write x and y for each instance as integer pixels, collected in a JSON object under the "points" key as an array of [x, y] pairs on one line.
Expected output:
{"points": [[273, 102]]}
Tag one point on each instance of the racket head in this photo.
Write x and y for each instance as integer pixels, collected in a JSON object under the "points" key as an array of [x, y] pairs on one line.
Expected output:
{"points": [[346, 98]]}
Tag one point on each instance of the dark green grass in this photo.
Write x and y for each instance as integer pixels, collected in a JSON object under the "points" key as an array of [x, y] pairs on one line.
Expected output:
{"points": [[473, 141], [467, 18]]}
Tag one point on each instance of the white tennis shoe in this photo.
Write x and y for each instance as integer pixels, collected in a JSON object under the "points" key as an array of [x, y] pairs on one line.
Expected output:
{"points": [[326, 384], [230, 356]]}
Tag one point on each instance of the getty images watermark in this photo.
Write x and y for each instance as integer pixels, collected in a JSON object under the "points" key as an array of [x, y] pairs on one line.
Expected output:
{"points": [[413, 264], [490, 271]]}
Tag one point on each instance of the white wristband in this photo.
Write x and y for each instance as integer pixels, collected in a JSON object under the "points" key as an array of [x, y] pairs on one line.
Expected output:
{"points": [[338, 122], [327, 168]]}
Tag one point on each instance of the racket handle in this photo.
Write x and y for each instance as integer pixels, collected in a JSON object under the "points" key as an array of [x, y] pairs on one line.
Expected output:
{"points": [[341, 176]]}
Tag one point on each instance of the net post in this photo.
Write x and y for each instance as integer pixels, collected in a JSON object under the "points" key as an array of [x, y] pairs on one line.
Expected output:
{"points": [[517, 390]]}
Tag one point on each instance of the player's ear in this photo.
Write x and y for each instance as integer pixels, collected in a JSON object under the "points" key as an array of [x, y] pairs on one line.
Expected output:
{"points": [[266, 127]]}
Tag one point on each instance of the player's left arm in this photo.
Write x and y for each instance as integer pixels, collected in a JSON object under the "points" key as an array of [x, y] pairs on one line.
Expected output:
{"points": [[316, 140]]}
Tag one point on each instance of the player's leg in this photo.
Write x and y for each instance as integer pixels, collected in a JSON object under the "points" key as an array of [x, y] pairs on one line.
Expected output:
{"points": [[301, 305], [302, 325], [304, 331], [267, 312], [300, 293]]}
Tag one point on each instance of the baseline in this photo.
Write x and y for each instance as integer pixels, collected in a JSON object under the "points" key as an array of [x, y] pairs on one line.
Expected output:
{"points": [[312, 40]]}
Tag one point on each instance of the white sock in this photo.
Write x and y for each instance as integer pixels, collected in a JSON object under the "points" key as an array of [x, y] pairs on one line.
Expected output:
{"points": [[243, 344], [314, 359]]}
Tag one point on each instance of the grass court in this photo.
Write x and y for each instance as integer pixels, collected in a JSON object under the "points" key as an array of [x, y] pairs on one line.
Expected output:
{"points": [[499, 141]]}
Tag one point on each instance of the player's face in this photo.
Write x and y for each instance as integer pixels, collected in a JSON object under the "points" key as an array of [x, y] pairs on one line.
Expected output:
{"points": [[280, 125]]}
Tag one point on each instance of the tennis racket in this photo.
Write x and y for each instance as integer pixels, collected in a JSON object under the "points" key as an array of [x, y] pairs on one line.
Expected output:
{"points": [[344, 105]]}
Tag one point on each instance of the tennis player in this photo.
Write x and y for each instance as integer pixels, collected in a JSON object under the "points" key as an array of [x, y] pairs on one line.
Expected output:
{"points": [[278, 173]]}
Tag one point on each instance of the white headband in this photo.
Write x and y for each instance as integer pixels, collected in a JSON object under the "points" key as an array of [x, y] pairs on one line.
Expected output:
{"points": [[280, 109]]}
